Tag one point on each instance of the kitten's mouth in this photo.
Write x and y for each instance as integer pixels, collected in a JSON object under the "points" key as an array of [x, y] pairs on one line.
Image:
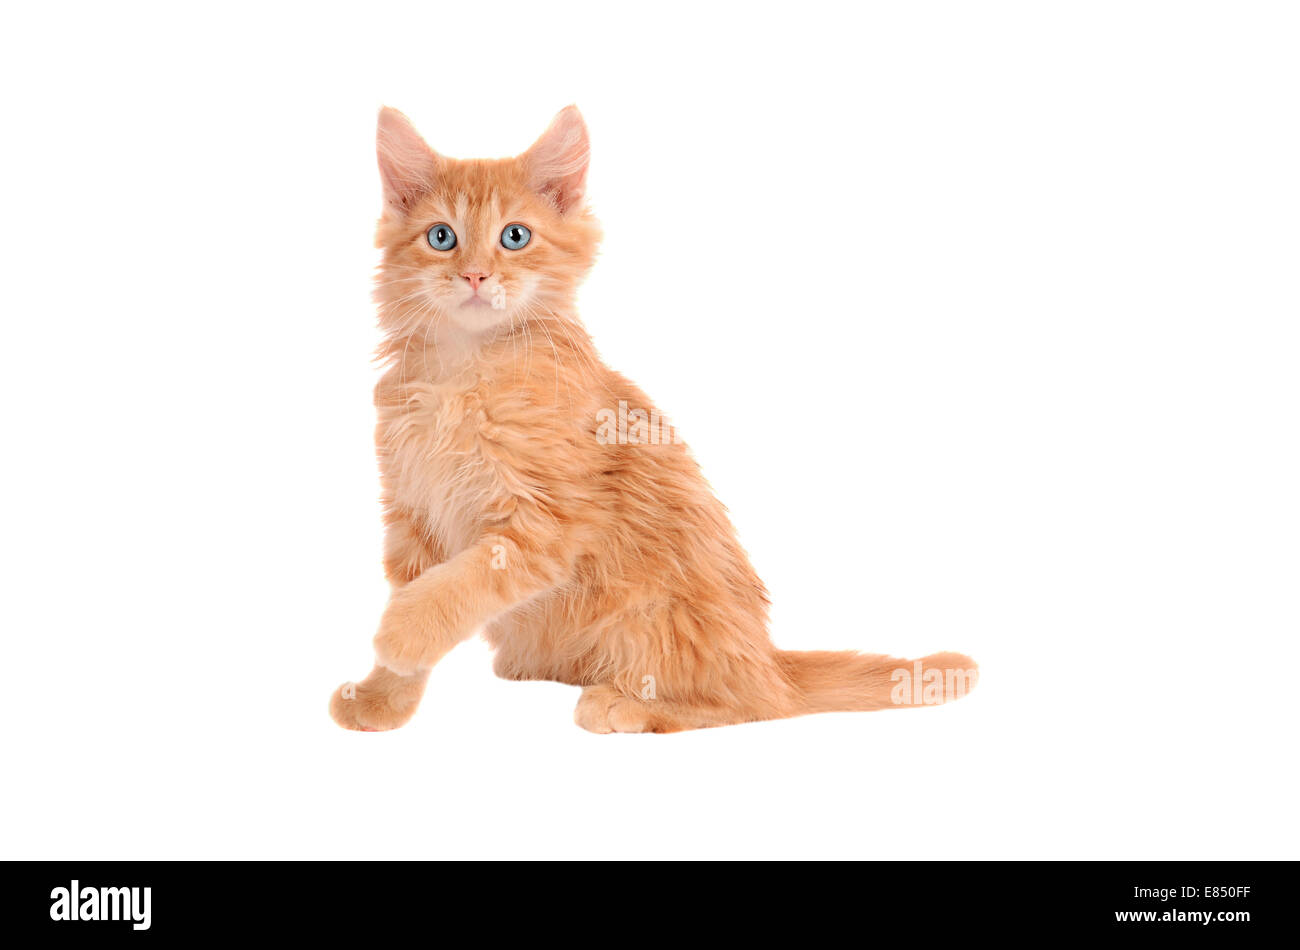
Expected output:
{"points": [[475, 301]]}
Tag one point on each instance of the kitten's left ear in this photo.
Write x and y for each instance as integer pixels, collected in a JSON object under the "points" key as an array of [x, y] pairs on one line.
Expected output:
{"points": [[557, 162], [408, 167]]}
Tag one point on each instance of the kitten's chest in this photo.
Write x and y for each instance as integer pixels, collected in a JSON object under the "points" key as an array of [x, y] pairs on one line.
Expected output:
{"points": [[431, 453]]}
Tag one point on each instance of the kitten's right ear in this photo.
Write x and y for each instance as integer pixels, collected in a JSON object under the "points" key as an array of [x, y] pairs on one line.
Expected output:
{"points": [[557, 162], [408, 167]]}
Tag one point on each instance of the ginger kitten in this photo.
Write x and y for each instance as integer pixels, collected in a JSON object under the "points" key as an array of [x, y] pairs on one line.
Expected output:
{"points": [[532, 492]]}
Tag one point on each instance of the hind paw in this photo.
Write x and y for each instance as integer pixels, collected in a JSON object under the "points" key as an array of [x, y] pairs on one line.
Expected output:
{"points": [[603, 709]]}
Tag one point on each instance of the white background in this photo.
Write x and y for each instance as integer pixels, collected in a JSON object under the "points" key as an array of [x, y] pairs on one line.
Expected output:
{"points": [[981, 318]]}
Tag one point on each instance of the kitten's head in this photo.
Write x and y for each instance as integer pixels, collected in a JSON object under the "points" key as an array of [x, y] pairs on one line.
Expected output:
{"points": [[481, 244]]}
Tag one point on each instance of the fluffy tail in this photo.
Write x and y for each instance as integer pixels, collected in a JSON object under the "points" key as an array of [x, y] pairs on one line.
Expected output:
{"points": [[848, 681]]}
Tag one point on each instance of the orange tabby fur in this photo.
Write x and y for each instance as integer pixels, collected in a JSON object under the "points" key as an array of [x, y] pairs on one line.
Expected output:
{"points": [[608, 566]]}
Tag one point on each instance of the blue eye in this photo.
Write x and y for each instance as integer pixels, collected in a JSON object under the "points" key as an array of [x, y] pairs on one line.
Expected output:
{"points": [[515, 236], [441, 237]]}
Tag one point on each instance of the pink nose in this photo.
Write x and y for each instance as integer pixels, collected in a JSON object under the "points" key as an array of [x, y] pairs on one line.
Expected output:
{"points": [[475, 278]]}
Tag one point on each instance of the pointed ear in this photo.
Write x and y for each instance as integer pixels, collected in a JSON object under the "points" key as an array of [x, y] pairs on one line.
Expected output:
{"points": [[408, 167], [557, 162]]}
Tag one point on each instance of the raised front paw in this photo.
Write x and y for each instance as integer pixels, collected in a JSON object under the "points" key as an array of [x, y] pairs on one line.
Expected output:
{"points": [[382, 701]]}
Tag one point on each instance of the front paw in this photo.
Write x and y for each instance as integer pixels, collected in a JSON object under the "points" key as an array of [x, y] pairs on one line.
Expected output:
{"points": [[380, 702]]}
